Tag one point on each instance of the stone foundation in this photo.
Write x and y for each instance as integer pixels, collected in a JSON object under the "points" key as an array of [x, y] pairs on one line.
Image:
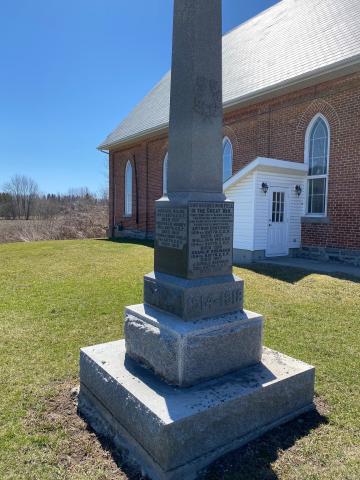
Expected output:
{"points": [[131, 234], [243, 257], [329, 254]]}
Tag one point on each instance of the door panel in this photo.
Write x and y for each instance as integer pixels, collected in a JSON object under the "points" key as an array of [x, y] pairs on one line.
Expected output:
{"points": [[278, 224]]}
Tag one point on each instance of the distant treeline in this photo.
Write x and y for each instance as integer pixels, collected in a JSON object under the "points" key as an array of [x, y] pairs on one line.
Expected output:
{"points": [[21, 199]]}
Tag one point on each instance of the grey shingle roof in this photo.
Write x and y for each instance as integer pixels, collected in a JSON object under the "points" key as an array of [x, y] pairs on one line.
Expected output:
{"points": [[292, 39]]}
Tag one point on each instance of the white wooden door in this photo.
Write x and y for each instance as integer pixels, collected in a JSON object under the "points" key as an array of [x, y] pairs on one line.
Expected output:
{"points": [[278, 224]]}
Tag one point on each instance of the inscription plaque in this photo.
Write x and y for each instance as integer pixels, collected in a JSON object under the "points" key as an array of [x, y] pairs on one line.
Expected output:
{"points": [[210, 237], [171, 227]]}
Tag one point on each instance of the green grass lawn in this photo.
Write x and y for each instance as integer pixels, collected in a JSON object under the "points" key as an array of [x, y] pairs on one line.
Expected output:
{"points": [[56, 297]]}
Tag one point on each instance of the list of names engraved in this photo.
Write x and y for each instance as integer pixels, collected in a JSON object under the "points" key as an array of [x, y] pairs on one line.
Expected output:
{"points": [[171, 227], [210, 237]]}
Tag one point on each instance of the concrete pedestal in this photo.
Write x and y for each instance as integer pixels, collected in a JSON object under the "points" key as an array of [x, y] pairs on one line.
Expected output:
{"points": [[172, 433]]}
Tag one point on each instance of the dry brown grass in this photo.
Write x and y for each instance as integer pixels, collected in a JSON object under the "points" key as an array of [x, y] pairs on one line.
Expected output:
{"points": [[82, 453], [74, 224]]}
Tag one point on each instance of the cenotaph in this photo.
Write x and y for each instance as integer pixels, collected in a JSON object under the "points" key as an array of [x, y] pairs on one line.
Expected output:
{"points": [[191, 381]]}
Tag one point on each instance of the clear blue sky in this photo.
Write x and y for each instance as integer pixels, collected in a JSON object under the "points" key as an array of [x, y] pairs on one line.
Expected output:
{"points": [[70, 70]]}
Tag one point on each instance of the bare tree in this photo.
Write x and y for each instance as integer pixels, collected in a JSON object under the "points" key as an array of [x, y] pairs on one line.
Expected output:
{"points": [[24, 192], [104, 189], [103, 194], [6, 206]]}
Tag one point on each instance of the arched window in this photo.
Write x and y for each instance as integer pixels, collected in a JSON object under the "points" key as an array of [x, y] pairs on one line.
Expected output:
{"points": [[227, 159], [128, 189], [317, 148], [165, 174]]}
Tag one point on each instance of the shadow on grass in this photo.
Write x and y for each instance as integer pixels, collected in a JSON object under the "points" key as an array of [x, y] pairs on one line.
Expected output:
{"points": [[288, 274], [254, 461], [132, 241], [251, 462], [130, 470], [118, 456], [292, 274], [284, 273]]}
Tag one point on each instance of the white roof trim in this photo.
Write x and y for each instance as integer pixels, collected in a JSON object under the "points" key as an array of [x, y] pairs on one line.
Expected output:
{"points": [[263, 164], [163, 128]]}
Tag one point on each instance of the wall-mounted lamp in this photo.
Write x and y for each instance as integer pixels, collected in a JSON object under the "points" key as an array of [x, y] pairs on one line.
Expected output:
{"points": [[298, 190], [265, 187]]}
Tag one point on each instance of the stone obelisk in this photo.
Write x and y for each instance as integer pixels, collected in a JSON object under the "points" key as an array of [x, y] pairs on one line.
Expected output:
{"points": [[191, 381], [193, 277], [196, 116], [195, 151]]}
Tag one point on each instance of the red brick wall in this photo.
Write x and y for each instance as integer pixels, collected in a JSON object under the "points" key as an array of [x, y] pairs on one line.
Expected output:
{"points": [[137, 155], [157, 150], [275, 128]]}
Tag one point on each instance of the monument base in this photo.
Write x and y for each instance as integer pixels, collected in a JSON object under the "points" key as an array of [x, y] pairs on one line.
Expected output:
{"points": [[173, 433], [187, 353]]}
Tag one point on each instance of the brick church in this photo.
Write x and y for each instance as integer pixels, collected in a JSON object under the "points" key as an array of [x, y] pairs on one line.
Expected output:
{"points": [[291, 145]]}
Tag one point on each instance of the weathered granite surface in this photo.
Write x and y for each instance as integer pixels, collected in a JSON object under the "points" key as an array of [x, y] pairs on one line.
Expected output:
{"points": [[186, 353], [194, 223], [194, 299], [173, 432], [195, 125]]}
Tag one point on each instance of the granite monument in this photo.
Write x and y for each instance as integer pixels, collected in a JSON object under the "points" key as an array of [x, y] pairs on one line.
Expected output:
{"points": [[191, 381]]}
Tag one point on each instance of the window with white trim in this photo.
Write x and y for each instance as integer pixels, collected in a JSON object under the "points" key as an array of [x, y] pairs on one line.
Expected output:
{"points": [[165, 174], [278, 207], [317, 158], [227, 159], [128, 189]]}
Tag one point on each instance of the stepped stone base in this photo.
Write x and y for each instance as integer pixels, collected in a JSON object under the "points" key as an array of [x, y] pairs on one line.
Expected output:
{"points": [[186, 353], [174, 433]]}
